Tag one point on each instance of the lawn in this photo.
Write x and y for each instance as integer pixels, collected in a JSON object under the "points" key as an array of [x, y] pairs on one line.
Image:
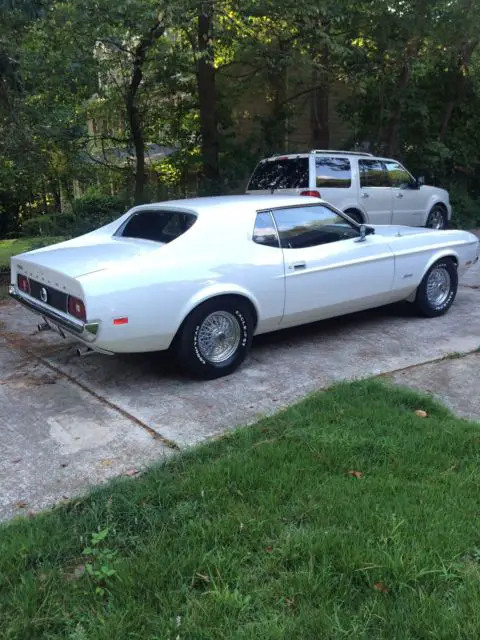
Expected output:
{"points": [[9, 248], [345, 516]]}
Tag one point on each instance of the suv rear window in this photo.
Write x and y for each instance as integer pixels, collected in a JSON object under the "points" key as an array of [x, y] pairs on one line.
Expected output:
{"points": [[284, 173], [333, 172]]}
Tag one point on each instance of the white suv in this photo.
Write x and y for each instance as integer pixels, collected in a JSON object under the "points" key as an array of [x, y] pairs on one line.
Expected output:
{"points": [[367, 188]]}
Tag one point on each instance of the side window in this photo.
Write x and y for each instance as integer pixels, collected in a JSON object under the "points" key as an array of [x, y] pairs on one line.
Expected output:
{"points": [[310, 226], [281, 173], [399, 176], [373, 174], [333, 172], [264, 231]]}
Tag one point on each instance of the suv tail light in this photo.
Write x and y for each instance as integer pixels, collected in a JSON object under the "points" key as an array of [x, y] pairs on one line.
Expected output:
{"points": [[311, 192], [76, 308], [23, 283]]}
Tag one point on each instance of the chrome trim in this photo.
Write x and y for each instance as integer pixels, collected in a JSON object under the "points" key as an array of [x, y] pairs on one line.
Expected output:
{"points": [[92, 327], [87, 331]]}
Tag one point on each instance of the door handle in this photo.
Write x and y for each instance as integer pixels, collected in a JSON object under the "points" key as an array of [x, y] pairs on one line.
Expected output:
{"points": [[399, 195], [365, 195], [297, 266]]}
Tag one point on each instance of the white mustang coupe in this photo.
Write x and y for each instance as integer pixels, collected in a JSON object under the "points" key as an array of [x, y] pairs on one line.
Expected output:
{"points": [[202, 276]]}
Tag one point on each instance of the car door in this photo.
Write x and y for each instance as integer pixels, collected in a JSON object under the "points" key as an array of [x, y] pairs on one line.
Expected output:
{"points": [[328, 269], [409, 203], [376, 196]]}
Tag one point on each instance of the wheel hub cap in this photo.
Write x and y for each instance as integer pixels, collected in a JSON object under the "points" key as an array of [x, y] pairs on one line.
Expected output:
{"points": [[436, 220], [218, 336], [438, 286]]}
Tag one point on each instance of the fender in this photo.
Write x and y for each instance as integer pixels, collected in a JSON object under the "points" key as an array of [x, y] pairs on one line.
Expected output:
{"points": [[353, 204], [432, 201], [213, 291], [445, 253]]}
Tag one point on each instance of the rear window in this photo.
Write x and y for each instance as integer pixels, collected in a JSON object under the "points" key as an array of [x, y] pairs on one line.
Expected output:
{"points": [[286, 173], [333, 172], [157, 225]]}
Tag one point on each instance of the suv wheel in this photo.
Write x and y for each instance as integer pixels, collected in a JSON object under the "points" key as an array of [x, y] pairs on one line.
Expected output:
{"points": [[437, 218], [355, 215]]}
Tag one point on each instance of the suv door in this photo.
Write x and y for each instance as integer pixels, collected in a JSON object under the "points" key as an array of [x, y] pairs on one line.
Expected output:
{"points": [[409, 203], [327, 271], [376, 196]]}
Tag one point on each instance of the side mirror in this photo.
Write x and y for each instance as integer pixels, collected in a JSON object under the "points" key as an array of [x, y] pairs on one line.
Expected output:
{"points": [[420, 181], [363, 233]]}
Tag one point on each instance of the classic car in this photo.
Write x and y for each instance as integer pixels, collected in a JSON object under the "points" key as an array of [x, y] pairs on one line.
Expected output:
{"points": [[202, 276]]}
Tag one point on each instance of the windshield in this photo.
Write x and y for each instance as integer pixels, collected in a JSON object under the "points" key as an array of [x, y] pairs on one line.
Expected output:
{"points": [[284, 173]]}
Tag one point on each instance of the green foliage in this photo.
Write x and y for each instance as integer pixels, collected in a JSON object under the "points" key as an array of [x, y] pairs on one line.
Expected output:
{"points": [[98, 209], [93, 211], [466, 208], [100, 558], [60, 224]]}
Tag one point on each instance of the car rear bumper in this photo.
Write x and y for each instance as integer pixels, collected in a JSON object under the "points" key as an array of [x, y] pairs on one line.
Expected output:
{"points": [[83, 331]]}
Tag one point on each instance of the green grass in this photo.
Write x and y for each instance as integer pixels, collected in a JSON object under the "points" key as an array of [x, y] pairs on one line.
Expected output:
{"points": [[9, 248], [263, 535]]}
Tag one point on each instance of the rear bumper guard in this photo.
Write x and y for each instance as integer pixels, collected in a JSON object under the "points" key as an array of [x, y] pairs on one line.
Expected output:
{"points": [[85, 331]]}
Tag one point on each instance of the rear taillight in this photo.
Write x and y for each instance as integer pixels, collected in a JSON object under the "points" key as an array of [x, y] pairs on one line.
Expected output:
{"points": [[23, 283], [76, 308], [311, 192]]}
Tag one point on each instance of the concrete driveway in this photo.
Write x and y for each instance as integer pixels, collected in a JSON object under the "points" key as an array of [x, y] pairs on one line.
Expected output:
{"points": [[67, 422]]}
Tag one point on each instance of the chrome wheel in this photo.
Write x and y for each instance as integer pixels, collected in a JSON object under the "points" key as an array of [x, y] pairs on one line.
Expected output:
{"points": [[218, 337], [436, 219], [438, 286]]}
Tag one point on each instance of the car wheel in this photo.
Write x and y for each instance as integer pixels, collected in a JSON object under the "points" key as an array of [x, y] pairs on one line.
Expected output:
{"points": [[215, 338], [437, 218], [355, 215], [438, 289]]}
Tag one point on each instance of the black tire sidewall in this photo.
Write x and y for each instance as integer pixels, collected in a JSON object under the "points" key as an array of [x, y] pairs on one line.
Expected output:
{"points": [[444, 215], [188, 351], [421, 299]]}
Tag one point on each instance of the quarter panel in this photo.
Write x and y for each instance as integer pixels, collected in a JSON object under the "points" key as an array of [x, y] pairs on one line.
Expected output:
{"points": [[157, 298]]}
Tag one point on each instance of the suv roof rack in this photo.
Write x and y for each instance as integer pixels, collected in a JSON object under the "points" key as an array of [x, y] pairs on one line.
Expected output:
{"points": [[349, 153]]}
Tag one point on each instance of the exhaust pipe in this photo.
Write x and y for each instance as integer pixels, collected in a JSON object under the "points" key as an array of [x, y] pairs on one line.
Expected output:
{"points": [[82, 352], [43, 326]]}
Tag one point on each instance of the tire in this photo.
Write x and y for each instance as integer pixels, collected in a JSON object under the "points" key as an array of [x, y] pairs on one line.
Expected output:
{"points": [[355, 215], [437, 218], [438, 289], [215, 338]]}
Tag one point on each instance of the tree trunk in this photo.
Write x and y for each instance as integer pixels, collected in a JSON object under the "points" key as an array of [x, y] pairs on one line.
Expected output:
{"points": [[460, 85], [319, 108], [411, 51], [133, 114], [138, 143], [207, 99]]}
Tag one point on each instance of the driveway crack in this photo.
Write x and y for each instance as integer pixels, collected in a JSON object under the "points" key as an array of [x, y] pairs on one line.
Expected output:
{"points": [[171, 444]]}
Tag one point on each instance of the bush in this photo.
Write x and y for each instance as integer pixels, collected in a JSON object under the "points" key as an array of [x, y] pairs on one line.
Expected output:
{"points": [[89, 213], [98, 210], [466, 209], [57, 224]]}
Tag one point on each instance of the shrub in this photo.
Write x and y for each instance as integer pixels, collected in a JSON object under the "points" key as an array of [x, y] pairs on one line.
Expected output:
{"points": [[97, 209], [57, 224], [466, 209]]}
